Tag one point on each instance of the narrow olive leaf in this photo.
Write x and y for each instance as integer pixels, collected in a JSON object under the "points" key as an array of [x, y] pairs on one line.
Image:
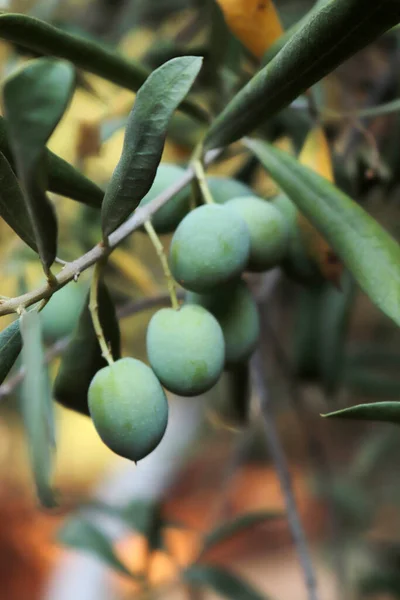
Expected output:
{"points": [[63, 178], [370, 113], [12, 204], [370, 384], [145, 136], [35, 98], [42, 38], [10, 347], [37, 406], [330, 35], [334, 317], [221, 581], [367, 250], [388, 412], [79, 534], [288, 34], [82, 358], [243, 523]]}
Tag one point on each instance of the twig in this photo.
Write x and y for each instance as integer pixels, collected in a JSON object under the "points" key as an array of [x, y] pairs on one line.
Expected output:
{"points": [[100, 252], [316, 448], [283, 473]]}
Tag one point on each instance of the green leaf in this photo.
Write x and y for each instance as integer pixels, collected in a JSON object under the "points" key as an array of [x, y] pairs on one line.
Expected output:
{"points": [[334, 317], [383, 583], [79, 534], [370, 384], [12, 204], [42, 38], [35, 98], [63, 178], [10, 347], [305, 333], [146, 518], [387, 412], [367, 250], [82, 358], [374, 111], [227, 530], [37, 406], [331, 35], [221, 581], [145, 136], [289, 33]]}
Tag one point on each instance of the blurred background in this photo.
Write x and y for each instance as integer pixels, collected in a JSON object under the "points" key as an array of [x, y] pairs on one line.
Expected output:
{"points": [[323, 348]]}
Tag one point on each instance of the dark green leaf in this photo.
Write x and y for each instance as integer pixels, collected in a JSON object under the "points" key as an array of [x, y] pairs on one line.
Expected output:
{"points": [[145, 136], [83, 357], [368, 251], [380, 584], [45, 39], [12, 204], [374, 452], [37, 406], [35, 98], [375, 111], [289, 33], [10, 347], [334, 317], [388, 412], [238, 383], [63, 178], [79, 534], [370, 384], [223, 582], [330, 36], [238, 525], [305, 333], [146, 518]]}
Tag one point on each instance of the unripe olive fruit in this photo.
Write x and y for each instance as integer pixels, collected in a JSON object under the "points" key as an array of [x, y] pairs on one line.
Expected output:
{"points": [[166, 219], [210, 247], [224, 188], [186, 349], [129, 408], [61, 313], [269, 231], [236, 311]]}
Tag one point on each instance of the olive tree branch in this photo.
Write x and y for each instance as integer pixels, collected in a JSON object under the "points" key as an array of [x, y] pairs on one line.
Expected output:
{"points": [[282, 469], [73, 269]]}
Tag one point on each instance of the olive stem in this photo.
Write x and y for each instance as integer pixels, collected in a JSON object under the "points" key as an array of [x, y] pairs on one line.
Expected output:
{"points": [[159, 248], [202, 181], [198, 168], [94, 311]]}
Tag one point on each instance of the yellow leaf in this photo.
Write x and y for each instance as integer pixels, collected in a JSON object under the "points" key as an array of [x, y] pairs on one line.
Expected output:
{"points": [[254, 22], [317, 156]]}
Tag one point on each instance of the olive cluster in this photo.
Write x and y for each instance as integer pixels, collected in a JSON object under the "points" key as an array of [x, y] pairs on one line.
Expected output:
{"points": [[217, 326]]}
